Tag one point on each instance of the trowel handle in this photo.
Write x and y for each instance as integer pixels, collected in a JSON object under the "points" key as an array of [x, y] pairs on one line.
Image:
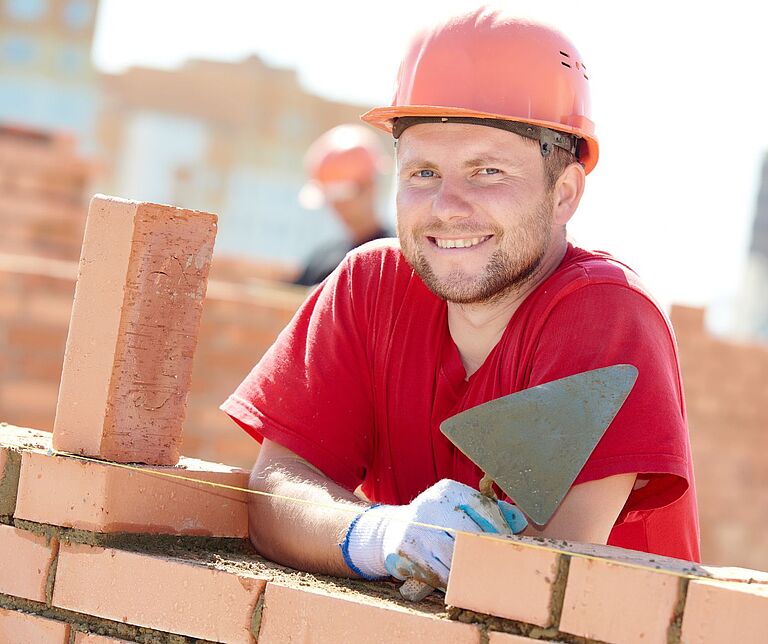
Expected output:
{"points": [[414, 590]]}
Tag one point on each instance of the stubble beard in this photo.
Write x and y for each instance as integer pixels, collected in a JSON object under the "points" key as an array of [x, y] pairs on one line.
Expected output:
{"points": [[519, 254]]}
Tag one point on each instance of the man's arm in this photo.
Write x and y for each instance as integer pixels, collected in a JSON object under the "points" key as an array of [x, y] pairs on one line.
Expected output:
{"points": [[588, 511], [305, 536], [306, 529]]}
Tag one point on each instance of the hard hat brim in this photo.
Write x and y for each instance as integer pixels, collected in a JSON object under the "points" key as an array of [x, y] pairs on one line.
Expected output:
{"points": [[381, 118]]}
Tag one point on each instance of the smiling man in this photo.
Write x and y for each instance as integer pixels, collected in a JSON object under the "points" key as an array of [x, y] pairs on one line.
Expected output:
{"points": [[483, 296]]}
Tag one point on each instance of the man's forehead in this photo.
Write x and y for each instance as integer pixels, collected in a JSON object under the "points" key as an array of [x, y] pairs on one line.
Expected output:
{"points": [[464, 143]]}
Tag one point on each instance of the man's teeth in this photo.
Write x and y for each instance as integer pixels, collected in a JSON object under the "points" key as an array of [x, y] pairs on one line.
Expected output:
{"points": [[460, 243]]}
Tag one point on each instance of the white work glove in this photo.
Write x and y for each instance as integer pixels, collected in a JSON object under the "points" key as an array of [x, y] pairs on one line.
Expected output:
{"points": [[383, 541]]}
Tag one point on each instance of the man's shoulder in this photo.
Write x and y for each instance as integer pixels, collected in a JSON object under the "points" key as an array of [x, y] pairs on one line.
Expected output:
{"points": [[379, 259], [582, 267]]}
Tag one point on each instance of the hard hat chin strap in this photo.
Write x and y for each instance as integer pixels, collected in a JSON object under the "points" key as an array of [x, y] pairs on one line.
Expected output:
{"points": [[546, 137]]}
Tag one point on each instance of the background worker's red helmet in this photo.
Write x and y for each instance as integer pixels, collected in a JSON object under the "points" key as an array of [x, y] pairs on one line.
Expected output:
{"points": [[490, 66], [339, 162]]}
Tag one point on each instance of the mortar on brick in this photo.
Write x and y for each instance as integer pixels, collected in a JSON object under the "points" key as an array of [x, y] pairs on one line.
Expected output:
{"points": [[9, 480], [51, 576], [675, 626], [491, 623], [256, 618], [558, 590]]}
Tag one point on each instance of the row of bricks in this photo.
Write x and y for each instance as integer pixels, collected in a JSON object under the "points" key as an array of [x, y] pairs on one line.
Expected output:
{"points": [[107, 498], [604, 598]]}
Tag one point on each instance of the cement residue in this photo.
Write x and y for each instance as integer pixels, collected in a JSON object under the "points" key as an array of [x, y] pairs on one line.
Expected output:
{"points": [[256, 617], [676, 625], [9, 481], [51, 576], [489, 623], [97, 625], [558, 590]]}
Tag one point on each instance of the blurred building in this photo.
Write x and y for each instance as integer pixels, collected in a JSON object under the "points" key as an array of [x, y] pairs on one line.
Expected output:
{"points": [[46, 76], [226, 138], [752, 314]]}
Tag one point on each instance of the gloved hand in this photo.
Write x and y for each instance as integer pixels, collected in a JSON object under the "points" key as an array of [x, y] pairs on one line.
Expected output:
{"points": [[384, 541]]}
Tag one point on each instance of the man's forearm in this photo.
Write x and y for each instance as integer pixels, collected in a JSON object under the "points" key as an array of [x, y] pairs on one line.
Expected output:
{"points": [[303, 534]]}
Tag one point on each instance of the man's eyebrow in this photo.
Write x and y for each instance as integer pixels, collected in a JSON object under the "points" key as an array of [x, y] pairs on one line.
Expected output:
{"points": [[488, 161], [417, 163]]}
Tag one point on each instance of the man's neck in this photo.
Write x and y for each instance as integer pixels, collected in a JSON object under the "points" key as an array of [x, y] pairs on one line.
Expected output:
{"points": [[477, 328]]}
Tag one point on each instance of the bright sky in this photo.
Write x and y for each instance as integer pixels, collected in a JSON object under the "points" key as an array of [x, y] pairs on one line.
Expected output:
{"points": [[680, 99]]}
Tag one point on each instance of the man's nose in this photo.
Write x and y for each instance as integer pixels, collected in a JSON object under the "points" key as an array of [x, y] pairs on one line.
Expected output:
{"points": [[450, 202]]}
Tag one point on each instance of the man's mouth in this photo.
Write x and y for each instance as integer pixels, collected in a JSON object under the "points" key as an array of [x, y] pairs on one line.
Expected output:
{"points": [[466, 242]]}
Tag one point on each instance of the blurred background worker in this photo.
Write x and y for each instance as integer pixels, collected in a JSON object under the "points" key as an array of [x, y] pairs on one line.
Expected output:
{"points": [[345, 166]]}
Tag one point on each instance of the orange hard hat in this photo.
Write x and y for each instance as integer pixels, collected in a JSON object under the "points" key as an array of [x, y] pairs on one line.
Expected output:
{"points": [[504, 70], [341, 160]]}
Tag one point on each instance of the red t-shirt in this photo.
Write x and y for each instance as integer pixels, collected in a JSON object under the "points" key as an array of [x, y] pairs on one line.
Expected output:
{"points": [[360, 380]]}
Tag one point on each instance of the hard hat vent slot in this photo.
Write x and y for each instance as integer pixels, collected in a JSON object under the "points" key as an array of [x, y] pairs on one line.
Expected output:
{"points": [[580, 66]]}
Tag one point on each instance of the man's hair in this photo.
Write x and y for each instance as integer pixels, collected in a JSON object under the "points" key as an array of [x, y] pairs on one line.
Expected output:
{"points": [[555, 163]]}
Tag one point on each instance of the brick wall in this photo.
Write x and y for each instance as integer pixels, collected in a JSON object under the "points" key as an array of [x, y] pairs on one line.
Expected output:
{"points": [[106, 559], [42, 193], [726, 389]]}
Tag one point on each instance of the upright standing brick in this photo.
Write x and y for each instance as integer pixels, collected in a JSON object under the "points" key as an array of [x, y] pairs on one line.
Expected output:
{"points": [[127, 366]]}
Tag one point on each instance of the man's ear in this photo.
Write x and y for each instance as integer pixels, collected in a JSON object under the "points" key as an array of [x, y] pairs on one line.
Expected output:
{"points": [[567, 193]]}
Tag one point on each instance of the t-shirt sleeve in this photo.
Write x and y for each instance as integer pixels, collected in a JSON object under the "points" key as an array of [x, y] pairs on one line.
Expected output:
{"points": [[311, 392], [603, 324]]}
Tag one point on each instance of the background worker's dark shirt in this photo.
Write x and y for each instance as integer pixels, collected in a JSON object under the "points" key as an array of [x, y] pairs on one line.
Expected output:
{"points": [[324, 260]]}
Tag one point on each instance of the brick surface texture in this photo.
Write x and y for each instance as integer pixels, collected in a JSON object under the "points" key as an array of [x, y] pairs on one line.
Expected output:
{"points": [[26, 559], [605, 601], [480, 579], [17, 627], [158, 593], [292, 615], [138, 301], [104, 498]]}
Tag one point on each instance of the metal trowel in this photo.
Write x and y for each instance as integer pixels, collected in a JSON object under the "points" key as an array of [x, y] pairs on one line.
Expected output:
{"points": [[534, 443]]}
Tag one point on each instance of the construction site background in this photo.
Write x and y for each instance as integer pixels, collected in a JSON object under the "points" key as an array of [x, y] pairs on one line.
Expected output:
{"points": [[163, 136]]}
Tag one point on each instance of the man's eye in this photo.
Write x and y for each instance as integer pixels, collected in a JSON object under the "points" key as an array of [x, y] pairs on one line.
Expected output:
{"points": [[490, 171], [425, 174]]}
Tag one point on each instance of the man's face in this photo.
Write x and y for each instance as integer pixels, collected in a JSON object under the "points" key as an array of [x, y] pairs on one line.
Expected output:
{"points": [[474, 217]]}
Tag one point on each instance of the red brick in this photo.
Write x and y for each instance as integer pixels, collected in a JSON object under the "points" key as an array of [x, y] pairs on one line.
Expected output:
{"points": [[12, 441], [502, 577], [495, 637], [17, 628], [611, 602], [156, 592], [138, 301], [26, 561], [107, 498], [309, 615], [725, 612]]}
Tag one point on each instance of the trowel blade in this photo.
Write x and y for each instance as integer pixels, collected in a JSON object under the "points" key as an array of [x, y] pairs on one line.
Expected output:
{"points": [[533, 443]]}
